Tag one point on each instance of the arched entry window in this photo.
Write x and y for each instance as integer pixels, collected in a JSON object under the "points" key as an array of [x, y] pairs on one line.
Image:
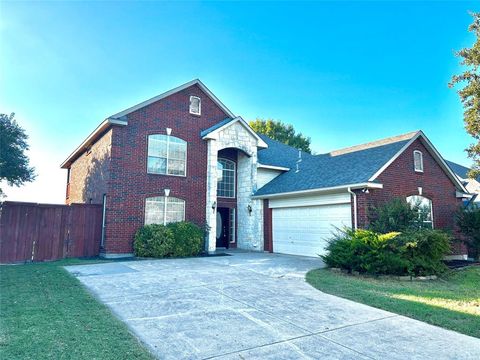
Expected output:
{"points": [[424, 207], [225, 178]]}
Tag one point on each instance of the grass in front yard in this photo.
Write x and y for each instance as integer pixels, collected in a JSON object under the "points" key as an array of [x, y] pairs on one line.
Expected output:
{"points": [[45, 313], [452, 301]]}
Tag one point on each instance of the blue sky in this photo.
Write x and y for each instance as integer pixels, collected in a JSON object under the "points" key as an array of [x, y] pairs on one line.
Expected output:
{"points": [[342, 73]]}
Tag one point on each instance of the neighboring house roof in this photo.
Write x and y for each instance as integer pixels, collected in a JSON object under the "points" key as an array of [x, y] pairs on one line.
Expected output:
{"points": [[356, 165], [211, 132], [460, 170]]}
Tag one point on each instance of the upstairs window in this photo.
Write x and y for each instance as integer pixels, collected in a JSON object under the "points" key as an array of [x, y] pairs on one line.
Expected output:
{"points": [[166, 155], [225, 178], [195, 105], [424, 208], [418, 161], [164, 210]]}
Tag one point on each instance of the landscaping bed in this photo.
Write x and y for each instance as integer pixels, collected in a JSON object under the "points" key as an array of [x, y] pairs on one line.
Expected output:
{"points": [[45, 313], [452, 301]]}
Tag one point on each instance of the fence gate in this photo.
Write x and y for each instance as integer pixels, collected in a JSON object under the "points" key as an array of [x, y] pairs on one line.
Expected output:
{"points": [[39, 232]]}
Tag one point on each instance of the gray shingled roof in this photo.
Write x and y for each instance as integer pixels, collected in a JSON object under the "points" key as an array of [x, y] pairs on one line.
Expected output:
{"points": [[460, 170], [343, 167], [215, 127], [279, 154]]}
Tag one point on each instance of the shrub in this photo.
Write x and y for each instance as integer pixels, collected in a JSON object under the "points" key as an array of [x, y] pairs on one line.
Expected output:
{"points": [[468, 220], [396, 215], [173, 240], [366, 251], [424, 250], [188, 238]]}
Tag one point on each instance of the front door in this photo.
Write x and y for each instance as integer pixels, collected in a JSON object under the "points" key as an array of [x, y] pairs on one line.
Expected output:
{"points": [[223, 227]]}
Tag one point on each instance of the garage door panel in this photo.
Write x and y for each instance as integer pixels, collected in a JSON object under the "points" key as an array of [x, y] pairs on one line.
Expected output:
{"points": [[306, 230]]}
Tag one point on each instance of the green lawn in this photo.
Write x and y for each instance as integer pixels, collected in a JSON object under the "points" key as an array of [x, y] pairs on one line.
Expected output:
{"points": [[452, 301], [45, 313]]}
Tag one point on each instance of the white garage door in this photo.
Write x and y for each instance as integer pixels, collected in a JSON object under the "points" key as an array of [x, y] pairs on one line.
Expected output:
{"points": [[305, 230]]}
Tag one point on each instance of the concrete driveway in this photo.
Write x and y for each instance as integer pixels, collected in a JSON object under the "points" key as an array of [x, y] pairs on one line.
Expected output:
{"points": [[257, 306]]}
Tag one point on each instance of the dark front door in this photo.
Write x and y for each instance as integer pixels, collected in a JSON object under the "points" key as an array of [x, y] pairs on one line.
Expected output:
{"points": [[223, 227]]}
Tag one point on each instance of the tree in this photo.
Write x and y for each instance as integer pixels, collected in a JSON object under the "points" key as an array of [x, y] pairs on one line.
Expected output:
{"points": [[282, 132], [14, 165], [470, 93]]}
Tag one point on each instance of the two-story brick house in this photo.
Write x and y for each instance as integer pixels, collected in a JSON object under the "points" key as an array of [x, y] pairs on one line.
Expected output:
{"points": [[183, 155]]}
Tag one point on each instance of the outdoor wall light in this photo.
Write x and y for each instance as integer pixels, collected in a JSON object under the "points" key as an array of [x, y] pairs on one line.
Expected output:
{"points": [[169, 131], [249, 208], [167, 192], [366, 191], [214, 206]]}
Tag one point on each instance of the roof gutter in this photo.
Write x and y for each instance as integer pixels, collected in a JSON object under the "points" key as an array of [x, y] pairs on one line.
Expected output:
{"points": [[91, 139], [366, 185]]}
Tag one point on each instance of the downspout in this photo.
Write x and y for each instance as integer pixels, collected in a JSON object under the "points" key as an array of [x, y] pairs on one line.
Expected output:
{"points": [[355, 221]]}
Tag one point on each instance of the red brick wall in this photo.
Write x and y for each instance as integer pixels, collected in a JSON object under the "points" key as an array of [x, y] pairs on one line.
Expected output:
{"points": [[130, 184], [90, 172], [400, 180]]}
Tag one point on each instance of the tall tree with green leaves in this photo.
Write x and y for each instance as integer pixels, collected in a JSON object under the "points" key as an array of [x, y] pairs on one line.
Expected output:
{"points": [[470, 92], [14, 164], [282, 132]]}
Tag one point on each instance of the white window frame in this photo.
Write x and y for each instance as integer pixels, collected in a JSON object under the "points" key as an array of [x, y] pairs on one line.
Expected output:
{"points": [[165, 208], [199, 105], [418, 152], [234, 179], [431, 207], [167, 158]]}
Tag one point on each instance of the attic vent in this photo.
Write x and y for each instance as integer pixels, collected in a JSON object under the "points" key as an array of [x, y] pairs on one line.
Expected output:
{"points": [[195, 105], [299, 161]]}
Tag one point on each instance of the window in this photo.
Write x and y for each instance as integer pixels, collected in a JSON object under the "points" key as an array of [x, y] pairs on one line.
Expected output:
{"points": [[164, 210], [424, 208], [225, 178], [195, 105], [418, 161], [166, 155]]}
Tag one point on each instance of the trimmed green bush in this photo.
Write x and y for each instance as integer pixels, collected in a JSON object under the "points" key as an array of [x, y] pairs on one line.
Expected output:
{"points": [[173, 240], [414, 253]]}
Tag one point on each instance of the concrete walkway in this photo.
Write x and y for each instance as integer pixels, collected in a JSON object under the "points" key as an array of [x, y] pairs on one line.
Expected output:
{"points": [[257, 306]]}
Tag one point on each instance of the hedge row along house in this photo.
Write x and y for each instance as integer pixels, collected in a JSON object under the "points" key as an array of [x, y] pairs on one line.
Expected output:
{"points": [[183, 155]]}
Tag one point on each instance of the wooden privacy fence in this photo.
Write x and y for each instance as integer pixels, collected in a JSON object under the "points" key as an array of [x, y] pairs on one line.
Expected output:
{"points": [[39, 232]]}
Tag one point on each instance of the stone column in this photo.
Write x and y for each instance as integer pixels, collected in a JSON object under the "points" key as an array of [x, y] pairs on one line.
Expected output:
{"points": [[211, 214], [250, 225]]}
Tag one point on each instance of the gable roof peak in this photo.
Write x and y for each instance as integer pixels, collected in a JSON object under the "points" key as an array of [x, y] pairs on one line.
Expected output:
{"points": [[197, 82]]}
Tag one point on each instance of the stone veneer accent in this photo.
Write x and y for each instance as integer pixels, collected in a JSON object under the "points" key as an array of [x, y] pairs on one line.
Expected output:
{"points": [[249, 225]]}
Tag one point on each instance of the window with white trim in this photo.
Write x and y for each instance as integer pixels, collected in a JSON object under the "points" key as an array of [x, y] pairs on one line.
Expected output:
{"points": [[164, 210], [425, 209], [166, 155], [195, 105], [418, 161], [225, 178]]}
